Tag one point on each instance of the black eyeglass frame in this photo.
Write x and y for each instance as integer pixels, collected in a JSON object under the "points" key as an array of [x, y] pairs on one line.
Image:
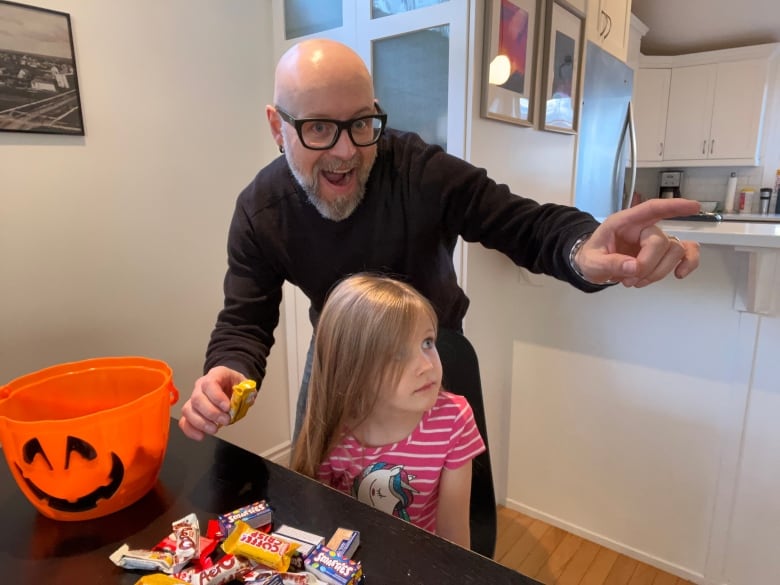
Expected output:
{"points": [[298, 123]]}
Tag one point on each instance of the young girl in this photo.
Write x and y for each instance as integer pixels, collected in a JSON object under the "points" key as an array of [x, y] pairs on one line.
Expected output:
{"points": [[378, 425]]}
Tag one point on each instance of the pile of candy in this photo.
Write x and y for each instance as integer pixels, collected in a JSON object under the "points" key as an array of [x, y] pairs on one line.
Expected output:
{"points": [[252, 553]]}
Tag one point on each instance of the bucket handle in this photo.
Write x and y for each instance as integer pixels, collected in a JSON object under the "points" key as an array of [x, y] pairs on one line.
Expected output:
{"points": [[173, 393]]}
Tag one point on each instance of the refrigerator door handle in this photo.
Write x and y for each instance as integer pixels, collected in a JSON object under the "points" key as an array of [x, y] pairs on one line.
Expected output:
{"points": [[626, 198], [632, 131]]}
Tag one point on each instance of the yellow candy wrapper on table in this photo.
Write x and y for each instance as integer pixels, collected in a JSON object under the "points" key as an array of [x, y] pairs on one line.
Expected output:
{"points": [[159, 579], [243, 396]]}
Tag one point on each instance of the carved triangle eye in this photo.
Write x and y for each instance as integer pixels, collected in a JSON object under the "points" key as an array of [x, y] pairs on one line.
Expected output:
{"points": [[81, 447], [31, 449]]}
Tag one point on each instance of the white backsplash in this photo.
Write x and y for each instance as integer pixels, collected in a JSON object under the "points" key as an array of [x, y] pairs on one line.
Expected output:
{"points": [[702, 183]]}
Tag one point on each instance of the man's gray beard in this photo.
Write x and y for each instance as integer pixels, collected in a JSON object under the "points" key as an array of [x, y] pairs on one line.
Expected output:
{"points": [[337, 210], [334, 210]]}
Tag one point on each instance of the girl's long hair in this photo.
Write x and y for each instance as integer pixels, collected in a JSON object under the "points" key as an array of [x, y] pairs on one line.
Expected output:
{"points": [[360, 343]]}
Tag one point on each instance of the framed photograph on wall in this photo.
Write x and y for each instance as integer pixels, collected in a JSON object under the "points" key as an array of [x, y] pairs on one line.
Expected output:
{"points": [[560, 80], [509, 61], [39, 90]]}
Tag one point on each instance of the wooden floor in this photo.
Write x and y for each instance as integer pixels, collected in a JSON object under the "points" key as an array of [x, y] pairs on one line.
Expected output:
{"points": [[556, 557]]}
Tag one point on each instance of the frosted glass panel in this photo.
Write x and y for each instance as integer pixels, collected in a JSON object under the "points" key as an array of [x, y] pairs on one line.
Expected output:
{"points": [[411, 81], [380, 8], [304, 17]]}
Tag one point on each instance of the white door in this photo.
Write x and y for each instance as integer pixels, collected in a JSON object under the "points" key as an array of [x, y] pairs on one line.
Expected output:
{"points": [[736, 112], [418, 53], [690, 111], [615, 39], [651, 101]]}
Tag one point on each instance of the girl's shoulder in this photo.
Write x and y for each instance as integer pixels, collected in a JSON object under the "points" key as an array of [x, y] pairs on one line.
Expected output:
{"points": [[453, 404]]}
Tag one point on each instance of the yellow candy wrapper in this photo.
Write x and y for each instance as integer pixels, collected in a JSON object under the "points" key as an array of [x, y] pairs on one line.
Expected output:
{"points": [[255, 545], [243, 396], [159, 579]]}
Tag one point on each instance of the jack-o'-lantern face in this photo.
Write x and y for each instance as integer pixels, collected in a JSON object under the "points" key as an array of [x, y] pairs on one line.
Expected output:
{"points": [[46, 475]]}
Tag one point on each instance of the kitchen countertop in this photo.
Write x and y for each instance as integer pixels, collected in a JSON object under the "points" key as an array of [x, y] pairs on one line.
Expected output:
{"points": [[729, 233], [758, 282], [751, 217]]}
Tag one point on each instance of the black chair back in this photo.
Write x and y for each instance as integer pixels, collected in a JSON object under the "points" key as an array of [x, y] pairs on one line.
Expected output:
{"points": [[461, 376]]}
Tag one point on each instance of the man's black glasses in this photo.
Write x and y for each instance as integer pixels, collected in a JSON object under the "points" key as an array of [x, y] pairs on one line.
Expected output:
{"points": [[323, 133]]}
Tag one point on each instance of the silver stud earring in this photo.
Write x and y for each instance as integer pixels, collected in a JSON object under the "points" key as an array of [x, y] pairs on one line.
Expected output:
{"points": [[281, 149]]}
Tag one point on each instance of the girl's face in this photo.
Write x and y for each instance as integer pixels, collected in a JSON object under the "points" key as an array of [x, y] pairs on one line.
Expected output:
{"points": [[420, 380]]}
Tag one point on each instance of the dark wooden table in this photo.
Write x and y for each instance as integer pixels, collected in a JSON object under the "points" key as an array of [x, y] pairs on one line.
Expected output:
{"points": [[210, 478]]}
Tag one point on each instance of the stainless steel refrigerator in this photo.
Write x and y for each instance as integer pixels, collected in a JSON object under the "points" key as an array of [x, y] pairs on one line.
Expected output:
{"points": [[606, 147]]}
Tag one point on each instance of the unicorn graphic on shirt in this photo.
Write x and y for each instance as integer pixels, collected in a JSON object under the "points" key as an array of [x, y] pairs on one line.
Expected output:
{"points": [[386, 487]]}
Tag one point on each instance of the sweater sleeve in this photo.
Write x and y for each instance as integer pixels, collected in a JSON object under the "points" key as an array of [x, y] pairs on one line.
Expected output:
{"points": [[536, 236], [243, 334]]}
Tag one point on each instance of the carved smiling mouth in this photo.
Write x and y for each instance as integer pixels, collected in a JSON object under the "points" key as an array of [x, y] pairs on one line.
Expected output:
{"points": [[86, 502]]}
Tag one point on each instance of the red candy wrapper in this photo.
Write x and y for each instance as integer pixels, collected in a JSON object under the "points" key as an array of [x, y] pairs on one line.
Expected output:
{"points": [[225, 570], [186, 532]]}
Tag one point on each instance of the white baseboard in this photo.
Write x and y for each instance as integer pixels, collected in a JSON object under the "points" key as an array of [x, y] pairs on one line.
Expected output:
{"points": [[280, 454], [610, 544]]}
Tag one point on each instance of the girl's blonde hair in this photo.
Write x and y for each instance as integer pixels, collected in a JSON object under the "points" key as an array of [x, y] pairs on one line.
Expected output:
{"points": [[361, 338]]}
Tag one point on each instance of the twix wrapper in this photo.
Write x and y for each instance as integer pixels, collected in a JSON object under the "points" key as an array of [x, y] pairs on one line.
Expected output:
{"points": [[243, 396]]}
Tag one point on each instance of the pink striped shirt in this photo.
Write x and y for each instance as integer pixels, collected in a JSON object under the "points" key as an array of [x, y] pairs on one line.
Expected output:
{"points": [[403, 478]]}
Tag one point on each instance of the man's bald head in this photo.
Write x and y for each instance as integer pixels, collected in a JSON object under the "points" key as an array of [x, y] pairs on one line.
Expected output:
{"points": [[317, 66]]}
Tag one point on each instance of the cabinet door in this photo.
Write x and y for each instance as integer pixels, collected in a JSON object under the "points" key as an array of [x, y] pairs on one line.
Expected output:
{"points": [[737, 107], [615, 37], [651, 100], [691, 94]]}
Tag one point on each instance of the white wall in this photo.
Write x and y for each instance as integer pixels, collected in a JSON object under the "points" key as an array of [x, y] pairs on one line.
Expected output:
{"points": [[114, 243], [535, 164]]}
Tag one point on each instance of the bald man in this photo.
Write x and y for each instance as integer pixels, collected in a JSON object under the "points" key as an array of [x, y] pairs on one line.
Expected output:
{"points": [[350, 195]]}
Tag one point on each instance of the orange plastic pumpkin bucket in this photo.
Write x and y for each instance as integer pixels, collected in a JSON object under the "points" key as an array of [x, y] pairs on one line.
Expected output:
{"points": [[85, 439]]}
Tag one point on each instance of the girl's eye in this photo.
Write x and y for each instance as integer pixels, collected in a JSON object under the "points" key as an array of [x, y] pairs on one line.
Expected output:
{"points": [[429, 343]]}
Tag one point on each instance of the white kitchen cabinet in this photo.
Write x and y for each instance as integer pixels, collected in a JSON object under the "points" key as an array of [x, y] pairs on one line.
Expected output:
{"points": [[715, 110], [608, 25], [691, 92], [651, 100]]}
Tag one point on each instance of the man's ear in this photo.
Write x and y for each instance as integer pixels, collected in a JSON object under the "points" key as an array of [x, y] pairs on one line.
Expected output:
{"points": [[275, 123]]}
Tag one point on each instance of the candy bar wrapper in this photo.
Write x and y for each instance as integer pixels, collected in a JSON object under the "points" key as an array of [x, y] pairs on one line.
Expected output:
{"points": [[206, 546], [159, 579], [259, 547], [345, 542], [264, 576], [329, 567], [186, 532], [267, 578], [142, 560], [256, 515], [306, 541], [242, 397], [227, 569]]}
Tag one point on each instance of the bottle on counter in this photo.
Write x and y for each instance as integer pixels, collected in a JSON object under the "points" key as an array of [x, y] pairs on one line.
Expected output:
{"points": [[766, 195], [729, 206], [746, 197]]}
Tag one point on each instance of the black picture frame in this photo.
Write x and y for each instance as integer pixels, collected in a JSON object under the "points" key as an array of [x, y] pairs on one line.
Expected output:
{"points": [[39, 89]]}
